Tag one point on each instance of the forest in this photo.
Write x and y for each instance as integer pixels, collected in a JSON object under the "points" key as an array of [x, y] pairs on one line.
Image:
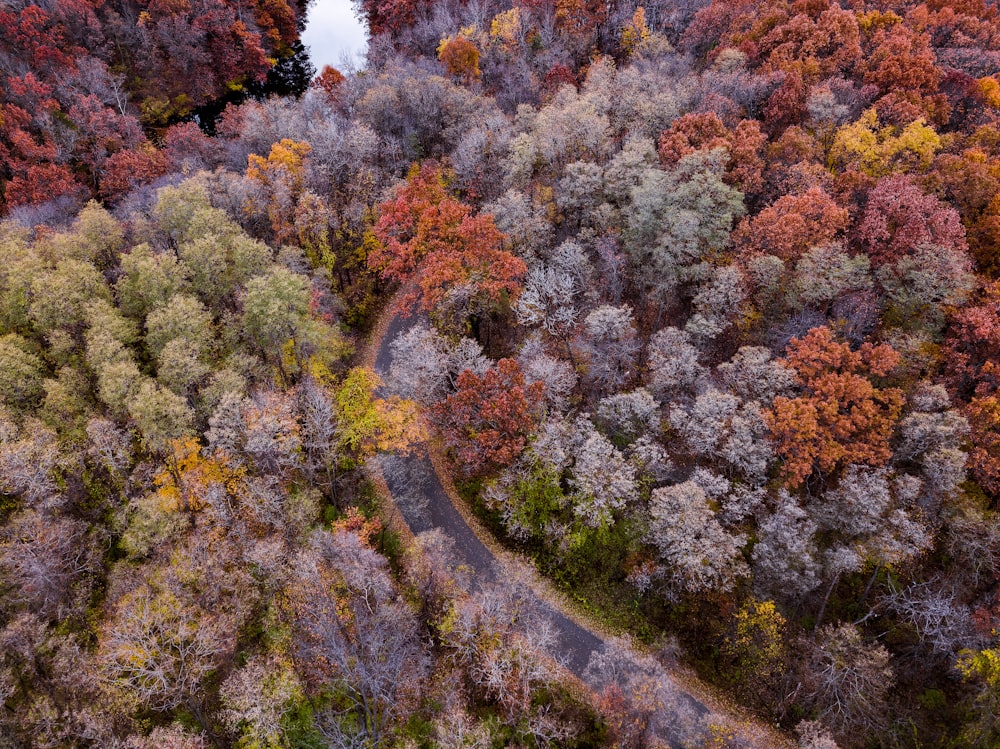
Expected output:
{"points": [[697, 308]]}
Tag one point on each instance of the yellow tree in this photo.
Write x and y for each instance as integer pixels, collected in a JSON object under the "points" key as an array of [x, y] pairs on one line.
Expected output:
{"points": [[281, 179], [368, 424]]}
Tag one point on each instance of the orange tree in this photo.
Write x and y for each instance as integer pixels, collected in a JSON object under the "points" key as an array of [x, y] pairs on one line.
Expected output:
{"points": [[487, 420], [427, 236], [840, 416]]}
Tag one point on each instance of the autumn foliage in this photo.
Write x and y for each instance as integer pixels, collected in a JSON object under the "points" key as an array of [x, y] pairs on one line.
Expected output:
{"points": [[487, 420], [428, 237], [841, 416]]}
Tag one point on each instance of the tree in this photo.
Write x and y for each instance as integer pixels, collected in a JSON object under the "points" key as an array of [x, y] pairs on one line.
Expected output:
{"points": [[502, 644], [673, 363], [161, 415], [792, 225], [52, 693], [275, 307], [678, 218], [357, 641], [159, 647], [718, 425], [608, 341], [701, 556], [605, 482], [366, 424], [878, 150], [488, 418], [257, 698], [755, 648], [420, 361], [753, 375], [717, 303], [21, 373], [900, 217], [183, 317], [846, 680], [634, 696], [841, 416], [149, 280], [983, 667], [461, 57], [281, 179], [456, 258], [49, 563], [785, 557]]}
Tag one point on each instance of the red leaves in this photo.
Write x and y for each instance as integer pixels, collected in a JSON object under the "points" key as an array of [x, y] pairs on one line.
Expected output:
{"points": [[900, 217], [428, 236], [487, 420], [972, 353], [841, 416], [127, 169], [704, 131], [39, 183]]}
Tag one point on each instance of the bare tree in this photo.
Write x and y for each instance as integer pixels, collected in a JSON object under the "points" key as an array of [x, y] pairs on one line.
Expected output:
{"points": [[357, 636], [49, 563], [846, 681]]}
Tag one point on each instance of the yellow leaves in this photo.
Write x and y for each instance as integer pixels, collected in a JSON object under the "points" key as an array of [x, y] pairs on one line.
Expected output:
{"points": [[184, 482], [506, 28], [369, 424], [990, 89], [635, 33], [875, 20], [400, 424], [878, 150], [287, 158]]}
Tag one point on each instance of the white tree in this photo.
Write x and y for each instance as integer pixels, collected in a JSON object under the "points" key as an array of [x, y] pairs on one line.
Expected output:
{"points": [[420, 362], [754, 376], [717, 303], [673, 363], [609, 343], [257, 697], [932, 437], [604, 480], [548, 301], [629, 415], [700, 554], [785, 564], [557, 375]]}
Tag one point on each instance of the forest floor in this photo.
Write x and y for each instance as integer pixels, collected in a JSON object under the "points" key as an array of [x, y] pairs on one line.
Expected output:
{"points": [[422, 496]]}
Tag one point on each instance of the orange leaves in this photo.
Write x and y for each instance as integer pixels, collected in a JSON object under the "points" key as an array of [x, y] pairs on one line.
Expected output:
{"points": [[428, 236], [461, 57], [841, 416], [792, 225], [369, 424], [355, 522]]}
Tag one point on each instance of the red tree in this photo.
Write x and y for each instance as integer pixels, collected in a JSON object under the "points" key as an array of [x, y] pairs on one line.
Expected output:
{"points": [[486, 422], [899, 217], [792, 225]]}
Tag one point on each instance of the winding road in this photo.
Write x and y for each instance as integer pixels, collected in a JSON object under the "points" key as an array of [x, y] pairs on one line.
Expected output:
{"points": [[419, 493]]}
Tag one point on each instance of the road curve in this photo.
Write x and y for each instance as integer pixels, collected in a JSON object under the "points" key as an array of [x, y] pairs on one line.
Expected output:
{"points": [[419, 493]]}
